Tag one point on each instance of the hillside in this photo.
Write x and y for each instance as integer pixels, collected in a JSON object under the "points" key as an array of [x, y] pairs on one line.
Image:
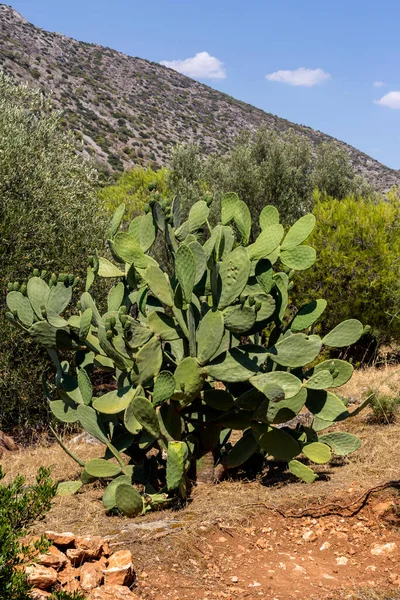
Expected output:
{"points": [[130, 111]]}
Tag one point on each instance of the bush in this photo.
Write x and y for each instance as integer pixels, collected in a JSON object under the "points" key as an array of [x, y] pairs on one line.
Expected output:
{"points": [[48, 216], [385, 408], [134, 188], [20, 506], [266, 168], [357, 271]]}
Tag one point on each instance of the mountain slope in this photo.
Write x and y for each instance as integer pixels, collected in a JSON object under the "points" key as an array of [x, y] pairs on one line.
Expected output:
{"points": [[130, 111]]}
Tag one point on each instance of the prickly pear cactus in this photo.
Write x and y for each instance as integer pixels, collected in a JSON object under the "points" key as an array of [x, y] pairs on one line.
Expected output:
{"points": [[220, 315]]}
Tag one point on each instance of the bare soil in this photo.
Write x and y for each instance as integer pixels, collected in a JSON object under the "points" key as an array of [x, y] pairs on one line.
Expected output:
{"points": [[231, 542]]}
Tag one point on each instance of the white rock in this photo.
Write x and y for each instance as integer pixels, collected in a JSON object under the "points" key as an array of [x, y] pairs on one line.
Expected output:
{"points": [[255, 584], [299, 569], [234, 579], [308, 535], [342, 561], [327, 576], [325, 546], [384, 549]]}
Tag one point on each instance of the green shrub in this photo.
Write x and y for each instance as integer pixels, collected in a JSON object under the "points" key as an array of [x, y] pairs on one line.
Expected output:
{"points": [[20, 506], [169, 335], [48, 216], [134, 188], [385, 408], [357, 271]]}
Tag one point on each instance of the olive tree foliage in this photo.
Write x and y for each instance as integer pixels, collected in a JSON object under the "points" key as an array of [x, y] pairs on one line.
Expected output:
{"points": [[266, 167], [48, 218], [334, 174]]}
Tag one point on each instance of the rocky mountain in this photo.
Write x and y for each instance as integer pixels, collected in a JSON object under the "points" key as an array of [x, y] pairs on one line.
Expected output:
{"points": [[130, 111]]}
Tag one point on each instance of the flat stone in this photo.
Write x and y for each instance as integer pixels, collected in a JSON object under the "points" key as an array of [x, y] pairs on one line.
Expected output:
{"points": [[384, 549], [68, 572], [86, 548], [60, 539], [37, 594], [41, 577], [342, 561], [382, 508], [325, 546], [120, 569], [91, 576], [71, 586], [112, 592], [53, 558]]}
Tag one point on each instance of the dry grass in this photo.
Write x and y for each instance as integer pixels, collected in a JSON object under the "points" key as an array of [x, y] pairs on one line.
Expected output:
{"points": [[385, 380]]}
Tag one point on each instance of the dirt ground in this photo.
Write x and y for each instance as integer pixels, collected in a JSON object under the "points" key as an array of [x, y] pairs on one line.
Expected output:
{"points": [[250, 539]]}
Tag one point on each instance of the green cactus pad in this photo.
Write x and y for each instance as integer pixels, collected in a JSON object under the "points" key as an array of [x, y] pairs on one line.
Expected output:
{"points": [[198, 215], [108, 269], [302, 471], [321, 380], [345, 334], [115, 297], [340, 370], [159, 284], [68, 488], [219, 399], [296, 350], [38, 294], [264, 275], [99, 467], [241, 451], [228, 207], [281, 283], [326, 405], [147, 232], [299, 258], [114, 402], [239, 319], [170, 420], [287, 409], [188, 380], [116, 221], [85, 323], [209, 335], [176, 211], [149, 360], [299, 232], [88, 419], [88, 302], [177, 452], [269, 216], [164, 387], [308, 315], [250, 400], [130, 421], [200, 260], [268, 240], [340, 442], [239, 419], [59, 297], [276, 442], [182, 232], [129, 250], [20, 304], [146, 415], [64, 410], [55, 320], [108, 499], [163, 326], [139, 333], [242, 219], [317, 452], [49, 336], [128, 500], [185, 267], [234, 273], [239, 364], [290, 384], [85, 386]]}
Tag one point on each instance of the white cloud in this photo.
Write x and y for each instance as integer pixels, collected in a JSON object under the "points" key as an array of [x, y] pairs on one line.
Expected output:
{"points": [[302, 76], [391, 100], [378, 83], [201, 66]]}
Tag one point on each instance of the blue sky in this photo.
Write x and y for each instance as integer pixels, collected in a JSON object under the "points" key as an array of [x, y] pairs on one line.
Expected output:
{"points": [[353, 43]]}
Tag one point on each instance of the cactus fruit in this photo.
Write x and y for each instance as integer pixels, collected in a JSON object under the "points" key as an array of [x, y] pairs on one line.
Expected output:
{"points": [[217, 311]]}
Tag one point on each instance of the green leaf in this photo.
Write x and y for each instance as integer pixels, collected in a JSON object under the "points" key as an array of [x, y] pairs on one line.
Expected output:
{"points": [[296, 350], [107, 269], [114, 402], [228, 207], [308, 315], [185, 268], [321, 380], [128, 500], [85, 386], [159, 284], [290, 384], [128, 249], [302, 471], [98, 467], [209, 335], [198, 215], [342, 443], [276, 442], [346, 333], [149, 360], [164, 387], [242, 220], [299, 232], [115, 297], [269, 216], [326, 405], [38, 293], [299, 258], [68, 488], [317, 452], [108, 499], [146, 415], [116, 221], [340, 370], [234, 272], [176, 455]]}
